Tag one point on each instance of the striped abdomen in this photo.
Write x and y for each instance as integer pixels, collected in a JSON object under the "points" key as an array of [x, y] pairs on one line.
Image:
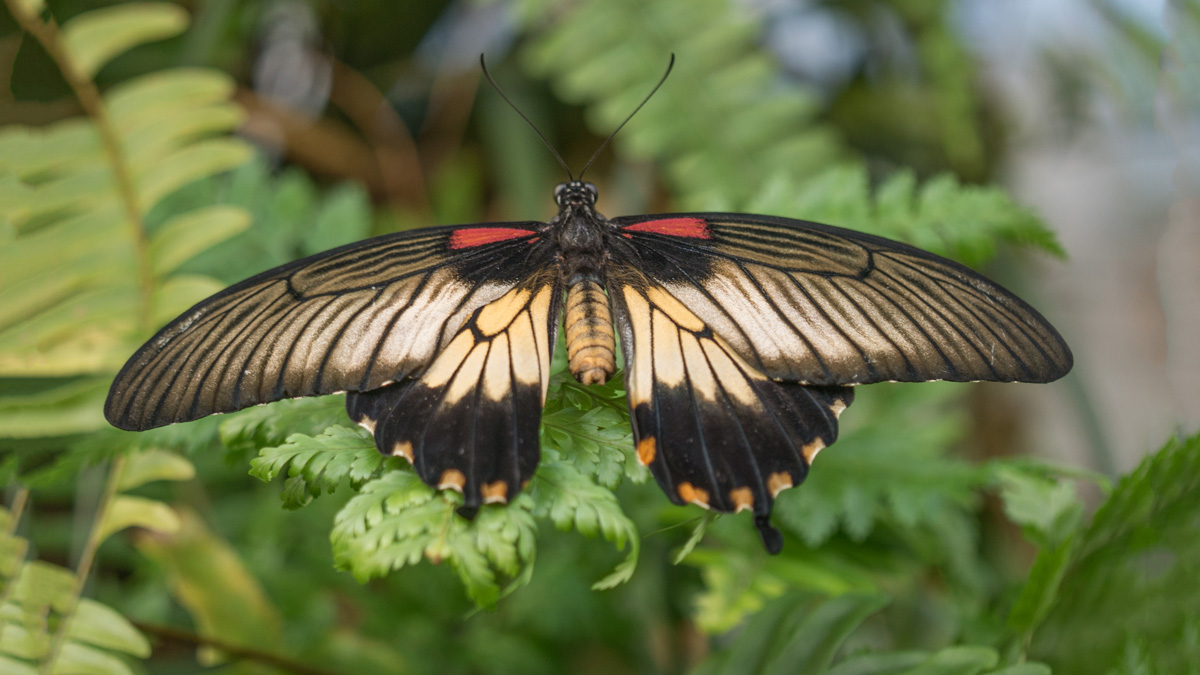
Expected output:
{"points": [[591, 349]]}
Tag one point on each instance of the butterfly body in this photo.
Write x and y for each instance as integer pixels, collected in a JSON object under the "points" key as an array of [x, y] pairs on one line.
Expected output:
{"points": [[742, 338]]}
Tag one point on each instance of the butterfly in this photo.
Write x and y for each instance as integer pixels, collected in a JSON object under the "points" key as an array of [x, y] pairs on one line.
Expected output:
{"points": [[743, 338]]}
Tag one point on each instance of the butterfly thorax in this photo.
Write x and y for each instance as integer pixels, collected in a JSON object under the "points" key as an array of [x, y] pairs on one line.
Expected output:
{"points": [[580, 231]]}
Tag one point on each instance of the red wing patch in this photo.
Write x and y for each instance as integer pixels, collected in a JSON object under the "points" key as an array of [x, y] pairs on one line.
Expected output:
{"points": [[478, 236], [695, 228]]}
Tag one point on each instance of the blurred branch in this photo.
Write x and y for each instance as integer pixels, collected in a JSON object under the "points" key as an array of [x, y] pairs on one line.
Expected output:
{"points": [[400, 172], [236, 651], [324, 146]]}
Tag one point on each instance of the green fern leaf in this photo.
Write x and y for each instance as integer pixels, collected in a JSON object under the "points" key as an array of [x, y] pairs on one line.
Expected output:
{"points": [[396, 520], [317, 464], [571, 500]]}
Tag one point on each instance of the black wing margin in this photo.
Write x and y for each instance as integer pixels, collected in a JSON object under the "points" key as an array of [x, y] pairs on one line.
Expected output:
{"points": [[351, 319], [810, 303]]}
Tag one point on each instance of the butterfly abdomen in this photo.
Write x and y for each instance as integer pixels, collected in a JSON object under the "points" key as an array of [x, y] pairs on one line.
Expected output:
{"points": [[591, 349]]}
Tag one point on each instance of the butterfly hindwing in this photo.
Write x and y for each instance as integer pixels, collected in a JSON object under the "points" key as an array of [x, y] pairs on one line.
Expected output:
{"points": [[810, 303], [470, 421], [350, 319], [714, 430]]}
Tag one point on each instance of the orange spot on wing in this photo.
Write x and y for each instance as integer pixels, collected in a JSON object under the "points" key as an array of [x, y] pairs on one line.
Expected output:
{"points": [[695, 228], [742, 498], [453, 479], [810, 451], [778, 482], [646, 449], [494, 493], [693, 495], [403, 449], [478, 236]]}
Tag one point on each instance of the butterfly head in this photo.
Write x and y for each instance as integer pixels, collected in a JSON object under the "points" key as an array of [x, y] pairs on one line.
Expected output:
{"points": [[575, 193]]}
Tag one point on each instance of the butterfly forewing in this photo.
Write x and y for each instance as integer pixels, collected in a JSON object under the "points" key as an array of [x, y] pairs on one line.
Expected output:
{"points": [[816, 304], [350, 319]]}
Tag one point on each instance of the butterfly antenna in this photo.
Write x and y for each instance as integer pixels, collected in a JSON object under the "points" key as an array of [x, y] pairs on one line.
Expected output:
{"points": [[596, 154], [483, 65]]}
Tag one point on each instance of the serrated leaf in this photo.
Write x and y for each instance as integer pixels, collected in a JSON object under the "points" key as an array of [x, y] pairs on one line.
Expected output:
{"points": [[93, 38], [595, 441], [154, 465], [898, 466], [128, 511], [317, 464], [189, 233], [396, 520], [570, 500], [101, 626], [78, 659], [1049, 510], [270, 425]]}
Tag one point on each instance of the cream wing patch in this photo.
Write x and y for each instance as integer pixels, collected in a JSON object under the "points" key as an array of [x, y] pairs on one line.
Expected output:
{"points": [[672, 347], [506, 342]]}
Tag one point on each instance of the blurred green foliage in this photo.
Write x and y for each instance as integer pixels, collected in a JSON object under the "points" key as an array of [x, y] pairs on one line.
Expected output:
{"points": [[155, 552]]}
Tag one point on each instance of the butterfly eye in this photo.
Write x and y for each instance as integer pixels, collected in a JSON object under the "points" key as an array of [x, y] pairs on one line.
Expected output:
{"points": [[591, 188], [559, 190]]}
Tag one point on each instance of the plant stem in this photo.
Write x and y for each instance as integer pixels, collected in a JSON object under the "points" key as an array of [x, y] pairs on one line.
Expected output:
{"points": [[236, 651], [86, 559], [48, 34]]}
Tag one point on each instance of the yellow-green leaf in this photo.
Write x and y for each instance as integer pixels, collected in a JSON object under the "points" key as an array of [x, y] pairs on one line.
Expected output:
{"points": [[44, 585], [102, 626], [133, 104], [72, 406], [77, 659], [31, 7], [152, 465], [190, 233], [13, 667], [20, 642], [194, 162], [95, 37], [126, 511]]}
